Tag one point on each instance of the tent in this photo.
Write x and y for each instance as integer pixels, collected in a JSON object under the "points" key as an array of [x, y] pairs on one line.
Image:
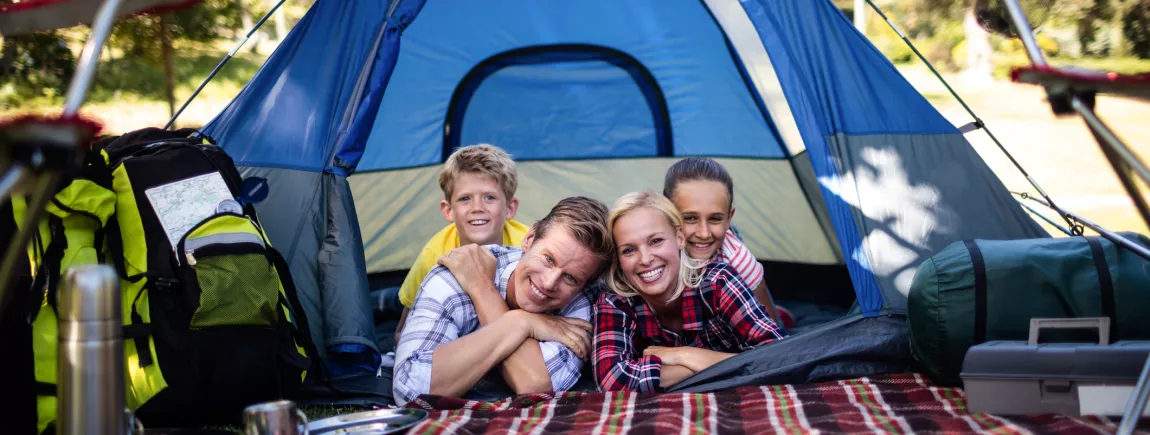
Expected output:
{"points": [[839, 164]]}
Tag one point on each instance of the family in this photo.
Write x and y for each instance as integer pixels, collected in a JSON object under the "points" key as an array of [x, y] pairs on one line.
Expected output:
{"points": [[650, 291]]}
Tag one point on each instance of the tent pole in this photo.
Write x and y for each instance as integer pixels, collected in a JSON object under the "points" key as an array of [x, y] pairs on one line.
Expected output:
{"points": [[1044, 218], [90, 57], [977, 121], [1140, 250], [223, 61]]}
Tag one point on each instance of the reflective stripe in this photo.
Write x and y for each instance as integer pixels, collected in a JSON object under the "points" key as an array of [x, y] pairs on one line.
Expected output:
{"points": [[222, 239]]}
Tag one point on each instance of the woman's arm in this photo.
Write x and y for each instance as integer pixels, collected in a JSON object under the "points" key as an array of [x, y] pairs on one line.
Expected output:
{"points": [[617, 364]]}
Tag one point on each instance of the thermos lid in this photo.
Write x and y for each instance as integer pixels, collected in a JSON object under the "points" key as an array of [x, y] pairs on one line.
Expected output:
{"points": [[89, 293]]}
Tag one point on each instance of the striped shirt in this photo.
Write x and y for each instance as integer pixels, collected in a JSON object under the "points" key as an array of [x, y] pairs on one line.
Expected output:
{"points": [[443, 312], [736, 254]]}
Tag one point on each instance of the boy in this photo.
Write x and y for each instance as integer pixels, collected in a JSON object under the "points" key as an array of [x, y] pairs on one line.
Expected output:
{"points": [[478, 183]]}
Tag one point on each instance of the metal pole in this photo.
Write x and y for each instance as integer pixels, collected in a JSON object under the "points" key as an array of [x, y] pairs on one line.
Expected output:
{"points": [[11, 178], [90, 370], [1107, 137], [1137, 403], [223, 61], [1109, 235], [90, 57], [1025, 33], [1048, 220], [860, 16]]}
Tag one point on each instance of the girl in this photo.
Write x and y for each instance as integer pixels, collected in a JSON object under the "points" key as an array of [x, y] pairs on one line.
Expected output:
{"points": [[667, 316], [703, 192]]}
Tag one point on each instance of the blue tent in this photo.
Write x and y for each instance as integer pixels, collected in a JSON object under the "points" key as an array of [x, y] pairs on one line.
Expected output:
{"points": [[838, 162]]}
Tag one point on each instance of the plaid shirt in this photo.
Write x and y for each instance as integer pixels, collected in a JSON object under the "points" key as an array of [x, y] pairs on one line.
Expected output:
{"points": [[443, 312], [722, 315]]}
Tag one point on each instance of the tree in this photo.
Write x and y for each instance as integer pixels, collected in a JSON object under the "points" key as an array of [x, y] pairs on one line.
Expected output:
{"points": [[1136, 28]]}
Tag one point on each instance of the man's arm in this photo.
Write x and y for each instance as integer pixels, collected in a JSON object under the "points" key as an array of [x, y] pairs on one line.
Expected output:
{"points": [[456, 366], [525, 370], [432, 357]]}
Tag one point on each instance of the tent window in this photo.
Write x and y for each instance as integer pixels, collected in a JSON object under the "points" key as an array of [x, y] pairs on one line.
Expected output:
{"points": [[560, 102]]}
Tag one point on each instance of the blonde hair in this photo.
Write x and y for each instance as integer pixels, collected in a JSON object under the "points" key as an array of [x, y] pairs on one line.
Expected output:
{"points": [[483, 159], [690, 270]]}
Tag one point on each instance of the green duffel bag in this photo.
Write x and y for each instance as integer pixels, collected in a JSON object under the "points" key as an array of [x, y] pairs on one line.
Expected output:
{"points": [[977, 291]]}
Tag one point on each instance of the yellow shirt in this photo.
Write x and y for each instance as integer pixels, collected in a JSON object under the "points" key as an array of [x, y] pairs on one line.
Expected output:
{"points": [[441, 243]]}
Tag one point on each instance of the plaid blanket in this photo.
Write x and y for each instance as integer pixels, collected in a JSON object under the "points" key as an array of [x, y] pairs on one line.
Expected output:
{"points": [[889, 404]]}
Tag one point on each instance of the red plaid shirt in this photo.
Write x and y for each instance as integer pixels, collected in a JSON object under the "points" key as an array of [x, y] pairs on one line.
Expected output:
{"points": [[721, 315]]}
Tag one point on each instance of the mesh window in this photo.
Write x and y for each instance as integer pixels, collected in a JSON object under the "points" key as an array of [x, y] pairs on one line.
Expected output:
{"points": [[236, 290]]}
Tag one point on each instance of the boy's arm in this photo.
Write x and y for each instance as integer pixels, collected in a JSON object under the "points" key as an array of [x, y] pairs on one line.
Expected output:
{"points": [[525, 370]]}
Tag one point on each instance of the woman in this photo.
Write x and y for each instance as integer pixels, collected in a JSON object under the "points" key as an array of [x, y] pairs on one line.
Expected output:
{"points": [[667, 316]]}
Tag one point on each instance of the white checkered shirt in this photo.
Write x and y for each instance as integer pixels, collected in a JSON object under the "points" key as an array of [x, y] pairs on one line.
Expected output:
{"points": [[443, 312]]}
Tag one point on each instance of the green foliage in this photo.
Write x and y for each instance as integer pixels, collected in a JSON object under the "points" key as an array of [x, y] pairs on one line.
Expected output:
{"points": [[1136, 28], [139, 36], [34, 65]]}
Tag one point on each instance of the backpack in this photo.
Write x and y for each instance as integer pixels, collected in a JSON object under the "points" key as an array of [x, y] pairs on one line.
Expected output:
{"points": [[212, 319]]}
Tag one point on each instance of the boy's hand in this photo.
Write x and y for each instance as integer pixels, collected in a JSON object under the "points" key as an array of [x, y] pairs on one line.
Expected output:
{"points": [[473, 266], [571, 332]]}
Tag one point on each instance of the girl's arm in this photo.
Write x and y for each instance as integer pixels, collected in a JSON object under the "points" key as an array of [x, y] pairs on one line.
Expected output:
{"points": [[736, 303], [617, 364]]}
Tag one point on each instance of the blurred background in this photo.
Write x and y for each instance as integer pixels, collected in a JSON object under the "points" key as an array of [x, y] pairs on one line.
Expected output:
{"points": [[151, 64]]}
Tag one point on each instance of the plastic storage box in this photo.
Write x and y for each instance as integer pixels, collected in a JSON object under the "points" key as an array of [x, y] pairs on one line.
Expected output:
{"points": [[1026, 378]]}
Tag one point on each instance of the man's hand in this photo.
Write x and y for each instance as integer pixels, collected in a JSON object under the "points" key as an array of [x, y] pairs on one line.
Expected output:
{"points": [[473, 266], [571, 332]]}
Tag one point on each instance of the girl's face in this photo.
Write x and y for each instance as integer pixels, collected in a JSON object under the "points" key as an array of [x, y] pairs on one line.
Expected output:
{"points": [[649, 247], [707, 213]]}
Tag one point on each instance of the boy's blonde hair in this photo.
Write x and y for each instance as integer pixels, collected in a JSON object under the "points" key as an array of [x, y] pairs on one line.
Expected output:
{"points": [[689, 269], [482, 159]]}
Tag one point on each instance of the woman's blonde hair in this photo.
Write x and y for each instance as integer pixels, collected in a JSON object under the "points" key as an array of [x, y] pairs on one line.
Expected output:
{"points": [[690, 270]]}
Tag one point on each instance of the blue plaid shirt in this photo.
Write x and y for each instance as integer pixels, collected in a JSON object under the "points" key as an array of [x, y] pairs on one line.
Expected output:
{"points": [[443, 312]]}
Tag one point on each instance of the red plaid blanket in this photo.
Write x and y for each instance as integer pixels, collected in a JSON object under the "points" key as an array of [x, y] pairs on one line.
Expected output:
{"points": [[889, 404]]}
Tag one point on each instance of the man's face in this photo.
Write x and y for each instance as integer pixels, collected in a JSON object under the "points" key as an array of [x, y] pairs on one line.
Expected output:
{"points": [[552, 271], [478, 208]]}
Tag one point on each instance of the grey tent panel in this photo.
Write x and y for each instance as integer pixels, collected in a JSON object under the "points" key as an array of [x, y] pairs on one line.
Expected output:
{"points": [[810, 185], [912, 195], [297, 219]]}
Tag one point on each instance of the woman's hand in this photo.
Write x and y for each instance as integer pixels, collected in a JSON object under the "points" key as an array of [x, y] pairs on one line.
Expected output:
{"points": [[571, 332]]}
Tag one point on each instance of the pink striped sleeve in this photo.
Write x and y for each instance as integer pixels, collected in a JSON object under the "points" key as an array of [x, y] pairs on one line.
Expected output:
{"points": [[740, 258]]}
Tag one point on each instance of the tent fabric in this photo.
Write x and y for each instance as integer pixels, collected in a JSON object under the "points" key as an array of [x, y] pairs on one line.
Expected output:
{"points": [[295, 110], [910, 196], [773, 215], [828, 353], [678, 42], [310, 219]]}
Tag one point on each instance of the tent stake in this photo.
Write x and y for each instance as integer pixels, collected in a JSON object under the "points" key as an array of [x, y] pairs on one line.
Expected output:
{"points": [[216, 70]]}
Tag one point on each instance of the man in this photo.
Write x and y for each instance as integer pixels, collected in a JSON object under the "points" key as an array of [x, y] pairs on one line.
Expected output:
{"points": [[532, 322]]}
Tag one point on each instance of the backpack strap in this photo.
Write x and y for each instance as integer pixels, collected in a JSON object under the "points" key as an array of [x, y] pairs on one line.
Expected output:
{"points": [[301, 330]]}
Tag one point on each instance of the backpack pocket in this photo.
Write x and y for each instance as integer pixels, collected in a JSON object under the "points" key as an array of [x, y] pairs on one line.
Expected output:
{"points": [[228, 277]]}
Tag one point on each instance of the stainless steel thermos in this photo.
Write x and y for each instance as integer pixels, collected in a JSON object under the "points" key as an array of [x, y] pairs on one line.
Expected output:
{"points": [[90, 372]]}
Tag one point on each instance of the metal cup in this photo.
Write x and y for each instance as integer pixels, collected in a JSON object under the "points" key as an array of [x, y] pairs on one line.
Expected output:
{"points": [[281, 417]]}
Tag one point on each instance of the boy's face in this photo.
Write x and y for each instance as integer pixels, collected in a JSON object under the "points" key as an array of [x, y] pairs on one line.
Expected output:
{"points": [[552, 271], [707, 214], [478, 208]]}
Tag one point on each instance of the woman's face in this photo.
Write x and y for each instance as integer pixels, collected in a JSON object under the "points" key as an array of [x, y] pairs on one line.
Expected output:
{"points": [[707, 212], [648, 246]]}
